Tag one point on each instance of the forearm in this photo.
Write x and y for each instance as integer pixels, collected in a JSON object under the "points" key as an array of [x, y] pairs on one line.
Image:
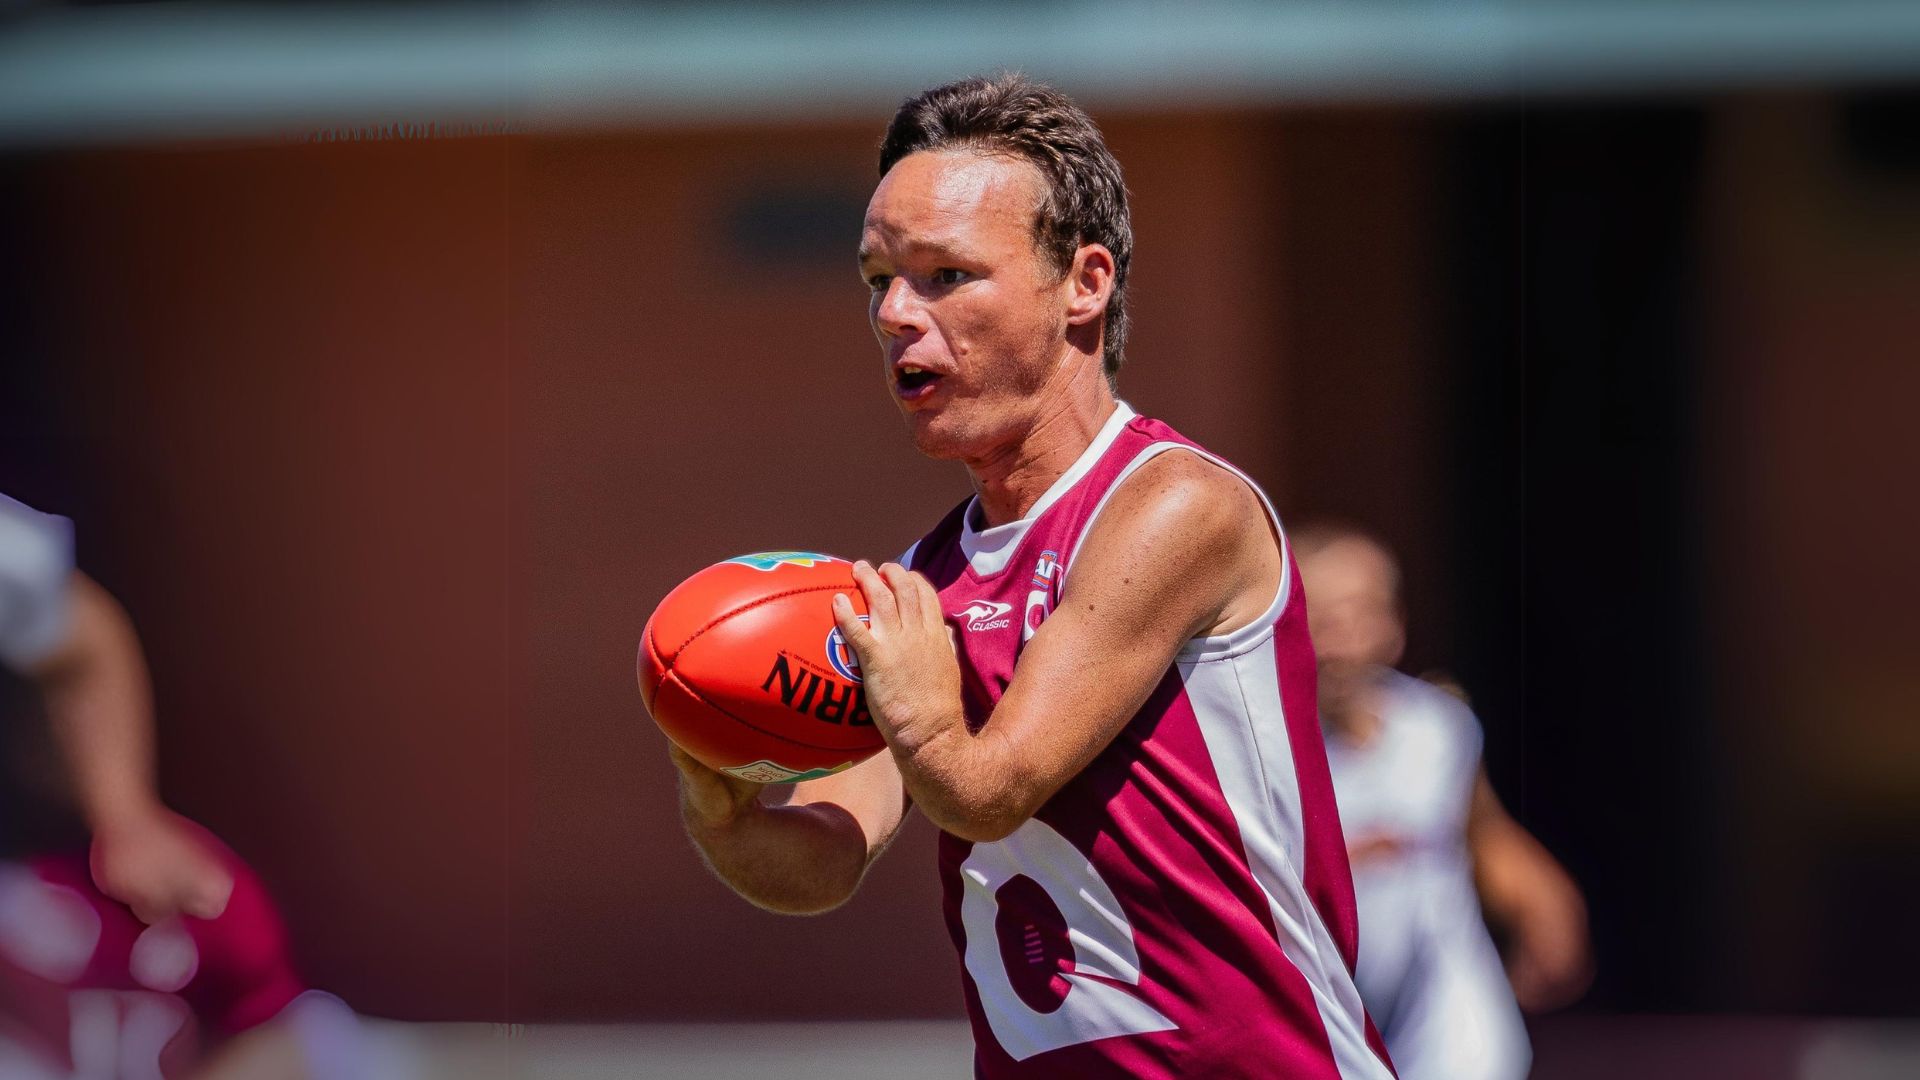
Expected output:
{"points": [[100, 708], [1522, 886], [964, 782], [795, 860]]}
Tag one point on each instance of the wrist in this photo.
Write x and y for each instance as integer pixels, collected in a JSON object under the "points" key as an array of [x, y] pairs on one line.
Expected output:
{"points": [[123, 814], [929, 735]]}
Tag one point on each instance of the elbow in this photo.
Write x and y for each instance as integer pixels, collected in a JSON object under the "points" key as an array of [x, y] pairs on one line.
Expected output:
{"points": [[816, 903], [986, 832], [986, 823]]}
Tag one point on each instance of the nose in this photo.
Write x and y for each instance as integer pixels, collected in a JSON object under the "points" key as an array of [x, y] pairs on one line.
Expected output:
{"points": [[898, 311]]}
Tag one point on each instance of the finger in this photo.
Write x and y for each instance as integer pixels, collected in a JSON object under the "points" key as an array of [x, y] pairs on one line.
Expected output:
{"points": [[699, 775], [929, 599], [851, 628], [683, 761], [881, 609], [904, 594]]}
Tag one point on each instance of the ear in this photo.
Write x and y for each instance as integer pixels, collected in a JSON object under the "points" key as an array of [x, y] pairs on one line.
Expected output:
{"points": [[1089, 284]]}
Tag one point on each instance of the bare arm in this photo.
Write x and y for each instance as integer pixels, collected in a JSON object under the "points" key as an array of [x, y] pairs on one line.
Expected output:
{"points": [[100, 705], [1528, 894], [797, 851], [1183, 549]]}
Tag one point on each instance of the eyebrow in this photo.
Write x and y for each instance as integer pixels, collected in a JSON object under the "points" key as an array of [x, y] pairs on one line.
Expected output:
{"points": [[932, 247]]}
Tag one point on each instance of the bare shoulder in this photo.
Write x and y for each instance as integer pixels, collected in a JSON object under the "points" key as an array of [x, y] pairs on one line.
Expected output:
{"points": [[1188, 494], [1186, 533]]}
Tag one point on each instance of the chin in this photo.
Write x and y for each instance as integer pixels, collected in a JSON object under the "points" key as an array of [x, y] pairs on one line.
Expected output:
{"points": [[938, 435]]}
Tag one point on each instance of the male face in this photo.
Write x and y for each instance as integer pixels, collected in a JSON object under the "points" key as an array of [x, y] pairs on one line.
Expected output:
{"points": [[1353, 612], [970, 316]]}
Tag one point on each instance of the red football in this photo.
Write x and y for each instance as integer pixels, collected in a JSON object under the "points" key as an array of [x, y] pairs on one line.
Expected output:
{"points": [[743, 668]]}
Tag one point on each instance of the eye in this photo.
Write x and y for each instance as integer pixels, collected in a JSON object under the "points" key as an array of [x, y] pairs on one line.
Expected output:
{"points": [[879, 282], [947, 275]]}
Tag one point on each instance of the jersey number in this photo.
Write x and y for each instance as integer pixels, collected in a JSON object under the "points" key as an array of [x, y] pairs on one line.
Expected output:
{"points": [[1100, 999]]}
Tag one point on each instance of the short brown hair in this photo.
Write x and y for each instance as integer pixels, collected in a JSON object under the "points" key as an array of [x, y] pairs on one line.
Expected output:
{"points": [[1086, 200]]}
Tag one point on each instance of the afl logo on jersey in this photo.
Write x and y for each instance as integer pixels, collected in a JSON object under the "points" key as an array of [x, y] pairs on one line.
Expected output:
{"points": [[1046, 572], [841, 655], [1046, 577]]}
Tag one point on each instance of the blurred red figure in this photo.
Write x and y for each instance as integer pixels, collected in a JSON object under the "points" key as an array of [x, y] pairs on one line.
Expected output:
{"points": [[122, 960], [101, 993]]}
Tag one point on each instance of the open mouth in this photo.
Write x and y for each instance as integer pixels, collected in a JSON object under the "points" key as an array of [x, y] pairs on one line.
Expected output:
{"points": [[911, 380]]}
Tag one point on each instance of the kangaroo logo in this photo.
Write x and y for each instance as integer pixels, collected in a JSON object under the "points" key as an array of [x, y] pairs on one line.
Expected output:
{"points": [[984, 615]]}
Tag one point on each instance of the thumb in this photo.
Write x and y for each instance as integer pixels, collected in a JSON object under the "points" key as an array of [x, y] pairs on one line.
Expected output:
{"points": [[207, 895], [148, 913]]}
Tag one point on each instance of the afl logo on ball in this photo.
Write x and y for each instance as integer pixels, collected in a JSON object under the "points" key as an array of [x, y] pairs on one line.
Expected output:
{"points": [[841, 655], [768, 561]]}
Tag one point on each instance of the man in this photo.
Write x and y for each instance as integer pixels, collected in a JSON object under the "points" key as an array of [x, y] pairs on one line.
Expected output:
{"points": [[1093, 676], [1423, 825], [129, 959]]}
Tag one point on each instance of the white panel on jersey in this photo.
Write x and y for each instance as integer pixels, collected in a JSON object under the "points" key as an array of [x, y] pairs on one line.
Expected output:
{"points": [[36, 561], [987, 550], [1097, 927], [1236, 699]]}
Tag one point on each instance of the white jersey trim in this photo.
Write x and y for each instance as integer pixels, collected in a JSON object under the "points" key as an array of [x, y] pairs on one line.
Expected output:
{"points": [[1237, 702], [989, 550], [36, 565]]}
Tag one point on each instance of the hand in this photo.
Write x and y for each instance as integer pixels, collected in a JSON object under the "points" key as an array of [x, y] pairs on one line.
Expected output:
{"points": [[1548, 965], [710, 796], [160, 865], [1375, 847], [907, 662]]}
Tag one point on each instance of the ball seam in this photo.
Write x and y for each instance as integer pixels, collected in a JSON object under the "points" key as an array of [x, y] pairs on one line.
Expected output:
{"points": [[724, 616]]}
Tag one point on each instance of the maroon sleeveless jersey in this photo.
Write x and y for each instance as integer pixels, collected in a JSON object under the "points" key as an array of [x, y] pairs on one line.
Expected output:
{"points": [[1183, 906]]}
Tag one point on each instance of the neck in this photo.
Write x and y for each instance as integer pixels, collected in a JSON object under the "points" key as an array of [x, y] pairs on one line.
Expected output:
{"points": [[1011, 479], [1350, 705]]}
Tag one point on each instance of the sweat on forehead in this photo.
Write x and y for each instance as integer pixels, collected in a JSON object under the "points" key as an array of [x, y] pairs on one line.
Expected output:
{"points": [[963, 179], [939, 198]]}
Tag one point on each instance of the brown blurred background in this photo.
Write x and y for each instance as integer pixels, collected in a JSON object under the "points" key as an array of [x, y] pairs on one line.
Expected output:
{"points": [[390, 446]]}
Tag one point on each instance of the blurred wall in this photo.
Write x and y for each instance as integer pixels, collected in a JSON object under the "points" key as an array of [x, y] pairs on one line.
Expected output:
{"points": [[1815, 318]]}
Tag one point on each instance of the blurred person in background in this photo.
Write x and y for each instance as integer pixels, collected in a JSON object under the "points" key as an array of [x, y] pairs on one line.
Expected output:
{"points": [[130, 958], [1430, 843]]}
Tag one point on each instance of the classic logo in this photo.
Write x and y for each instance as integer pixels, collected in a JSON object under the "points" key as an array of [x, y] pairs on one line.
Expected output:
{"points": [[841, 655], [984, 615], [768, 560]]}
